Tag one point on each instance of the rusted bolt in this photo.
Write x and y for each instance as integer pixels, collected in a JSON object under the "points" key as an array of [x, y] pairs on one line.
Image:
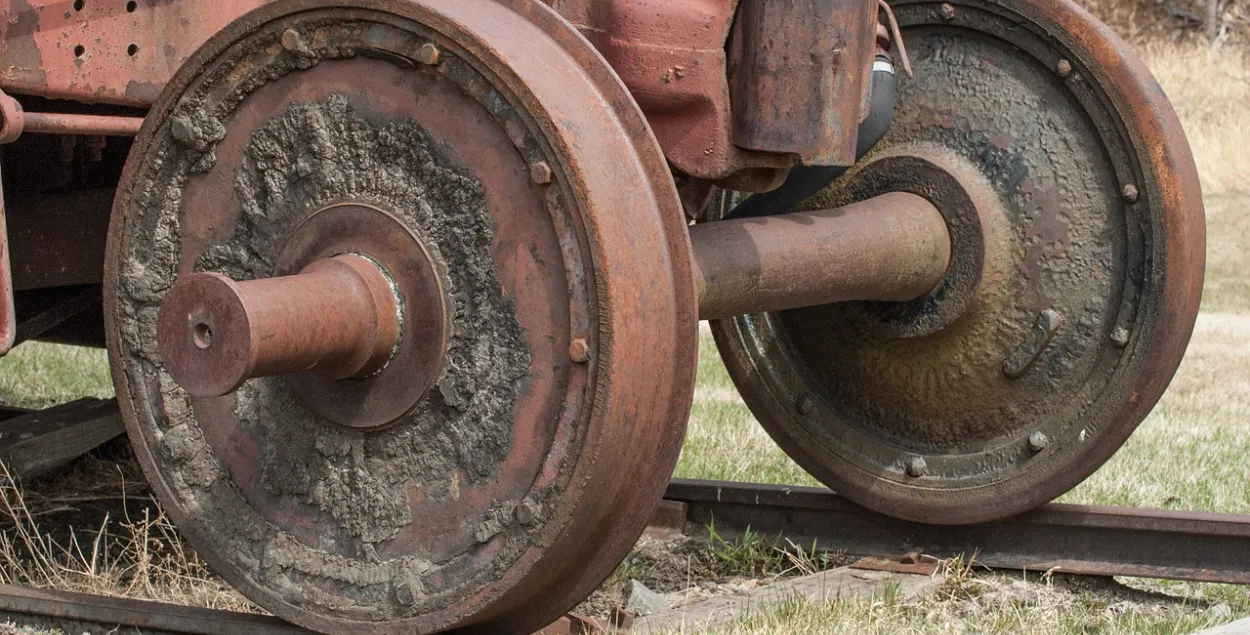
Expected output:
{"points": [[579, 350], [1120, 336], [1129, 192], [1038, 441], [916, 467], [293, 41], [1064, 68], [526, 512], [805, 405], [948, 11], [404, 594], [428, 54], [540, 172]]}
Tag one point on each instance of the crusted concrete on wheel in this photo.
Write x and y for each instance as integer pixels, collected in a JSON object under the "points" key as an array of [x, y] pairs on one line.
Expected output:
{"points": [[300, 160]]}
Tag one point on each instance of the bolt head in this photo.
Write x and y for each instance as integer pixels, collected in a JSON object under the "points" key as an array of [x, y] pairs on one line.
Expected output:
{"points": [[579, 350], [428, 54], [916, 467], [404, 594], [1129, 192], [1038, 441], [1064, 68], [805, 405], [540, 172], [291, 40], [1119, 336], [947, 11], [526, 512]]}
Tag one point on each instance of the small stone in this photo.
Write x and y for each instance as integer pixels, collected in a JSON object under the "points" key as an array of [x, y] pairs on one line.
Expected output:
{"points": [[640, 600], [293, 41], [948, 11], [1064, 68], [917, 467], [428, 54], [1221, 611]]}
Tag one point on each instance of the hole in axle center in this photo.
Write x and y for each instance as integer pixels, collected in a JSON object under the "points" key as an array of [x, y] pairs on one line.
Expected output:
{"points": [[202, 335]]}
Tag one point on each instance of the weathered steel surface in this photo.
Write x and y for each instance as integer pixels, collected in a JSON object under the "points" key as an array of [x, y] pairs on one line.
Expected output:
{"points": [[1085, 539], [1077, 257], [512, 489], [892, 247], [106, 51], [337, 317], [671, 56], [798, 73]]}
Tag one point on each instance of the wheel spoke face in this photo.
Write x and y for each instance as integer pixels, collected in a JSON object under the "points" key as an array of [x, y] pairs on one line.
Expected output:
{"points": [[1077, 246], [442, 490]]}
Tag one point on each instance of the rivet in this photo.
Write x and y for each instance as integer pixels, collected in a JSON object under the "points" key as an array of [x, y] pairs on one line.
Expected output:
{"points": [[1038, 441], [1064, 67], [1129, 192], [948, 11], [540, 172], [916, 467], [579, 350], [805, 405], [428, 54], [1119, 336]]}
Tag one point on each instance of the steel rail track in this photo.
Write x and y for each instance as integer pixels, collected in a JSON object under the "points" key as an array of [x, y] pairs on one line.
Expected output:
{"points": [[1082, 539], [1200, 546]]}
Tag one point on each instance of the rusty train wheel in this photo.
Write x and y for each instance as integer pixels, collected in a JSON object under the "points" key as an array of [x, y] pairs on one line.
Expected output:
{"points": [[509, 450], [1077, 259]]}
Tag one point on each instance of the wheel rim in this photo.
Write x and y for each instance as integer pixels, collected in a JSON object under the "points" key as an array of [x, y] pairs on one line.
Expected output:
{"points": [[469, 506], [1046, 119]]}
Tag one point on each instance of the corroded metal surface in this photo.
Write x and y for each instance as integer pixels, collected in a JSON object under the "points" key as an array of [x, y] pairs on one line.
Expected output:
{"points": [[1090, 225], [672, 57], [107, 51], [892, 247], [337, 316], [798, 73], [497, 136]]}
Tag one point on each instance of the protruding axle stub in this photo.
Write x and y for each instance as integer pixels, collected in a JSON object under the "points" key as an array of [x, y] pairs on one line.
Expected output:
{"points": [[338, 317]]}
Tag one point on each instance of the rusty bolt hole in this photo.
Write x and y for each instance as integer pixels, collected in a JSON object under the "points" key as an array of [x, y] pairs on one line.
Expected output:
{"points": [[131, 6], [79, 50], [202, 334], [78, 5], [132, 50]]}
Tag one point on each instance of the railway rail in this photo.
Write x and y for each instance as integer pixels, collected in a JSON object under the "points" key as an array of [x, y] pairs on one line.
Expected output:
{"points": [[1080, 539]]}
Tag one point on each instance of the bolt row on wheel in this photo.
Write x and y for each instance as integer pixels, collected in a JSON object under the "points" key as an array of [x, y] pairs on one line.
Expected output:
{"points": [[459, 169], [1077, 250]]}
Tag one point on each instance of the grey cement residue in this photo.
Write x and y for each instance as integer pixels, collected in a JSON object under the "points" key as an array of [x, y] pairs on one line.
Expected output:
{"points": [[300, 160]]}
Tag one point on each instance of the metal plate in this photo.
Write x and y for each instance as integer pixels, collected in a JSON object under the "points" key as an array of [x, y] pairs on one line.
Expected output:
{"points": [[507, 146], [1089, 214]]}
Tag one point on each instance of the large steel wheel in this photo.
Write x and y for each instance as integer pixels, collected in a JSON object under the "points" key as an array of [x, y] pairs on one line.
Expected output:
{"points": [[493, 467], [1077, 256]]}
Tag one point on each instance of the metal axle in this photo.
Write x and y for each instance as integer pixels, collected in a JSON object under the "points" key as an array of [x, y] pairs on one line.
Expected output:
{"points": [[894, 247], [340, 318]]}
